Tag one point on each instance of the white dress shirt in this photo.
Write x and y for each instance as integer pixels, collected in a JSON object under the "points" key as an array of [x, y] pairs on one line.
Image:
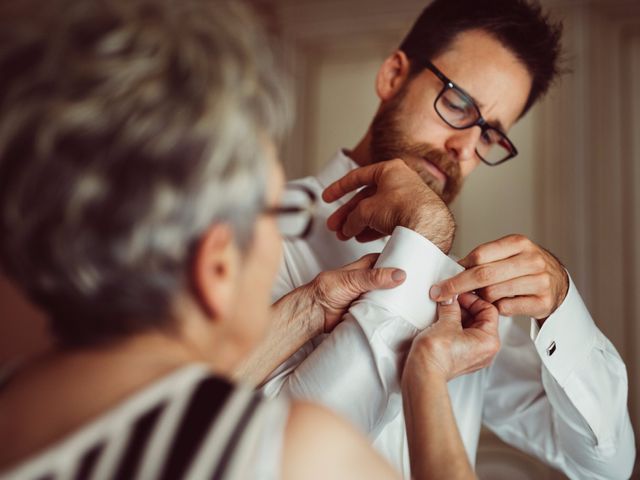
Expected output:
{"points": [[559, 393]]}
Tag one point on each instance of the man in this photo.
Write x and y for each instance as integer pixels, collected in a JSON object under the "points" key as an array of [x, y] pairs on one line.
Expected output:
{"points": [[465, 73]]}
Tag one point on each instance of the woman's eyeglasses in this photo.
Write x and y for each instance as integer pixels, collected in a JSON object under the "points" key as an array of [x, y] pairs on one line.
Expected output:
{"points": [[294, 215]]}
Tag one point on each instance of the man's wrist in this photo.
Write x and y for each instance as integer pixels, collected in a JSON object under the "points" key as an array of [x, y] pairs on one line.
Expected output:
{"points": [[565, 287], [562, 295], [439, 230]]}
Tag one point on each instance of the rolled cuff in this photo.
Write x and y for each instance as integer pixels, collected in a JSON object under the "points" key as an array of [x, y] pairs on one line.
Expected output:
{"points": [[567, 337], [425, 265]]}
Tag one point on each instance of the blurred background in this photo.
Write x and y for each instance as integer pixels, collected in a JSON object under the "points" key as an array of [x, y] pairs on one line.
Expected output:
{"points": [[573, 188]]}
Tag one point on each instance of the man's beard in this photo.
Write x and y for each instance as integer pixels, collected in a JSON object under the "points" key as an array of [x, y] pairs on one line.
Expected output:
{"points": [[388, 142]]}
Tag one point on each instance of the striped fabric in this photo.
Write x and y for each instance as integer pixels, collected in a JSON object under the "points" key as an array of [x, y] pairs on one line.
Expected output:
{"points": [[188, 425]]}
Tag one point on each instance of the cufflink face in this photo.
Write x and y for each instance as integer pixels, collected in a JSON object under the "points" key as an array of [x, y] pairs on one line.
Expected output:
{"points": [[551, 348]]}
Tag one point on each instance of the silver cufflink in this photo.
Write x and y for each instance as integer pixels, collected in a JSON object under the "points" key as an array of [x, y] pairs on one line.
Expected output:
{"points": [[551, 348]]}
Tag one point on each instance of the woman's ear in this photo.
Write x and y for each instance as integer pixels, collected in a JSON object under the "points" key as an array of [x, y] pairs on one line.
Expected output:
{"points": [[392, 75], [215, 271]]}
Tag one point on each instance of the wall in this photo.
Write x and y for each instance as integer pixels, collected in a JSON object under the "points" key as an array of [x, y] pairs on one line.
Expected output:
{"points": [[588, 209], [498, 201]]}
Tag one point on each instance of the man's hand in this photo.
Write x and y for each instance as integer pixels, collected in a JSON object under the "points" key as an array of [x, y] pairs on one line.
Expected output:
{"points": [[333, 291], [452, 346], [513, 273], [394, 196]]}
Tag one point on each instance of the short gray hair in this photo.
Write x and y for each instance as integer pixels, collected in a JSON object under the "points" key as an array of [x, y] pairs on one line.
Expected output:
{"points": [[127, 128]]}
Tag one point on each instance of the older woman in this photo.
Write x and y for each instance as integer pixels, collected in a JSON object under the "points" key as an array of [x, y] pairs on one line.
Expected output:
{"points": [[139, 191]]}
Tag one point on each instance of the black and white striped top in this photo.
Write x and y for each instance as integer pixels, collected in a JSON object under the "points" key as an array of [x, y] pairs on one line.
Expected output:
{"points": [[187, 425]]}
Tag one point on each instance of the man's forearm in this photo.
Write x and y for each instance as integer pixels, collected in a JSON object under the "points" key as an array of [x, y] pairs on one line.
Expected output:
{"points": [[296, 319]]}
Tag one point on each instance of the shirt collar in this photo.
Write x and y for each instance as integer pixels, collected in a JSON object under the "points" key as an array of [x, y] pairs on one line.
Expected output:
{"points": [[339, 165]]}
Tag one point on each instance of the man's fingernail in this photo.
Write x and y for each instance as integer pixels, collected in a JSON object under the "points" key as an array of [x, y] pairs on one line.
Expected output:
{"points": [[435, 291], [398, 275]]}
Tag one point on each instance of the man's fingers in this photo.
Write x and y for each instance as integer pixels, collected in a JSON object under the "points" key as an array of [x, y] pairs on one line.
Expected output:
{"points": [[502, 248], [351, 181], [529, 305], [485, 275], [536, 284], [369, 235], [358, 220], [337, 218]]}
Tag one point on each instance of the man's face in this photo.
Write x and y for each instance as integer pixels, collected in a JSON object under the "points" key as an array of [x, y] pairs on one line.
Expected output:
{"points": [[408, 127]]}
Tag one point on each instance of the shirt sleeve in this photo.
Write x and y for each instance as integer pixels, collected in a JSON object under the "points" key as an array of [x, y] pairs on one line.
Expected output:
{"points": [[560, 394], [355, 370], [284, 283]]}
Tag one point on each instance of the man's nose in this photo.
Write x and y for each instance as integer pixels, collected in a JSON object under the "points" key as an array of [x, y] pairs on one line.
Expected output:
{"points": [[461, 144]]}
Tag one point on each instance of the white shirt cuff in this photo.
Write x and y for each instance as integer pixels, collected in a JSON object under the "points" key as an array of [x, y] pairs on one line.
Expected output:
{"points": [[567, 337], [425, 265]]}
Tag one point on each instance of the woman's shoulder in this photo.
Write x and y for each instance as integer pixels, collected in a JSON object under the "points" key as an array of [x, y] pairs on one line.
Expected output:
{"points": [[320, 444], [171, 419]]}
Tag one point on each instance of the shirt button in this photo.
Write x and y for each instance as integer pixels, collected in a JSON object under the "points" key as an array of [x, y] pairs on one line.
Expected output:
{"points": [[551, 348]]}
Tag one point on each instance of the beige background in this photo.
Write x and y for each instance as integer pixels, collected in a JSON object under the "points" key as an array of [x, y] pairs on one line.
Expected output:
{"points": [[573, 188]]}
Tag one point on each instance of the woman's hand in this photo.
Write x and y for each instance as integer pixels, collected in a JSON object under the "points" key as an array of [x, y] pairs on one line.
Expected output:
{"points": [[333, 291], [314, 308], [463, 339]]}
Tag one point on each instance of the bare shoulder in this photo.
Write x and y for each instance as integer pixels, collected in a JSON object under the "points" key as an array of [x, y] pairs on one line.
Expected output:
{"points": [[319, 445]]}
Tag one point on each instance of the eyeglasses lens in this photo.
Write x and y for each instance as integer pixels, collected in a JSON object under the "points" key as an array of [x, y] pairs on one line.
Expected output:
{"points": [[460, 112]]}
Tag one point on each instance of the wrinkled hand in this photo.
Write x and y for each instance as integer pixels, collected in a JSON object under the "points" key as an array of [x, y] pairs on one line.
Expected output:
{"points": [[516, 275], [462, 340], [394, 195], [333, 291]]}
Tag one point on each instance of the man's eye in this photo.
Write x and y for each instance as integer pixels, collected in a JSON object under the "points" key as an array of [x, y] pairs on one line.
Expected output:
{"points": [[488, 138], [452, 106]]}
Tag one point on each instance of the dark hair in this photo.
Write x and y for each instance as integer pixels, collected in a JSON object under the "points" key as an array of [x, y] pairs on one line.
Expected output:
{"points": [[127, 128], [520, 25]]}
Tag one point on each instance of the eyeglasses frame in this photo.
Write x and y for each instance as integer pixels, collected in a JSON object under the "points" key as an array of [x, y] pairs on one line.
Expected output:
{"points": [[480, 122], [284, 210]]}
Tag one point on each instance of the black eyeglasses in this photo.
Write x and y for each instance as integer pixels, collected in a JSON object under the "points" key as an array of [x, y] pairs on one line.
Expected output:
{"points": [[458, 110], [295, 214]]}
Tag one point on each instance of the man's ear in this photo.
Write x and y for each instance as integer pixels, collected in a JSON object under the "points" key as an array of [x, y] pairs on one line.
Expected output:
{"points": [[214, 271], [392, 75]]}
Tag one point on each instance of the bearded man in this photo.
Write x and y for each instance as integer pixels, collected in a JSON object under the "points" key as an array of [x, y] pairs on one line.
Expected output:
{"points": [[464, 75]]}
